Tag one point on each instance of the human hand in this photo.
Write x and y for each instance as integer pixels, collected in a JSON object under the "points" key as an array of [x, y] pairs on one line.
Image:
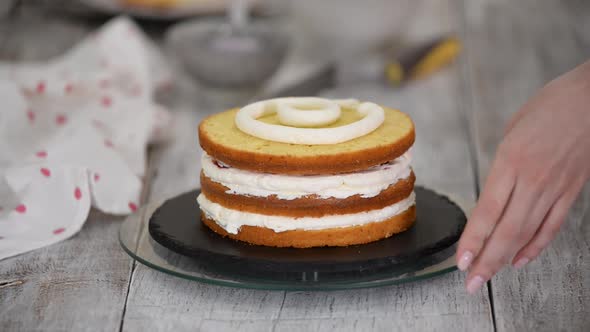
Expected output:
{"points": [[539, 169]]}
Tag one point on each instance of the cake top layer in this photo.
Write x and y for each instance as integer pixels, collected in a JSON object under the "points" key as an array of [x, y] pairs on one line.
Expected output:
{"points": [[223, 140]]}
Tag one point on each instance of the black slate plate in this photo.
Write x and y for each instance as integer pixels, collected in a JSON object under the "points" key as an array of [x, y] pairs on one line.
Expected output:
{"points": [[176, 226]]}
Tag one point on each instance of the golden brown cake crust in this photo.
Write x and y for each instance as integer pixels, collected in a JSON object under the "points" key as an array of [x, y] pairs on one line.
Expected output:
{"points": [[309, 206], [386, 143], [319, 238], [162, 4]]}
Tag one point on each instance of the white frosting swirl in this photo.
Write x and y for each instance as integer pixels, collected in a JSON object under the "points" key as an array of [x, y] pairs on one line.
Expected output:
{"points": [[322, 113], [233, 220], [367, 183], [307, 112]]}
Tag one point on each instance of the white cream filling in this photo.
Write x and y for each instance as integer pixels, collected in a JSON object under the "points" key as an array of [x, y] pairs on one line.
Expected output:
{"points": [[367, 183], [232, 220]]}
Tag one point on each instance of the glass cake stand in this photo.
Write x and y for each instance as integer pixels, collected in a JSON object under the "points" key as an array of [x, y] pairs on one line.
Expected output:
{"points": [[136, 240]]}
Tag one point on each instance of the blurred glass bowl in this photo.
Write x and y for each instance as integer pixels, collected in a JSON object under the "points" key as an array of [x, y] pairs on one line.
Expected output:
{"points": [[233, 63]]}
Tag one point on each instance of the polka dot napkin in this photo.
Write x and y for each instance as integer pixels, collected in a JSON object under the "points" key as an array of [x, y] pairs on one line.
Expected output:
{"points": [[73, 135]]}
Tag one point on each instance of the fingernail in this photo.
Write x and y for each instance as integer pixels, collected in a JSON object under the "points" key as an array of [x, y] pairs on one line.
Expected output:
{"points": [[465, 260], [521, 262], [474, 284]]}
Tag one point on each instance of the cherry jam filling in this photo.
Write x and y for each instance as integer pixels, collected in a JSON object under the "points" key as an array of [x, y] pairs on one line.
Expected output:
{"points": [[220, 164]]}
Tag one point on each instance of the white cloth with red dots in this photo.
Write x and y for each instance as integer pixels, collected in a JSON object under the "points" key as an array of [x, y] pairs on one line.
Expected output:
{"points": [[74, 133]]}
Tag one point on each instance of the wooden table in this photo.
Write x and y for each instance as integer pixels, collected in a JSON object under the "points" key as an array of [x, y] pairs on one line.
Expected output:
{"points": [[510, 49]]}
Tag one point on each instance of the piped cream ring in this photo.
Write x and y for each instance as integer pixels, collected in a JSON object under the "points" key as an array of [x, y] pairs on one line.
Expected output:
{"points": [[307, 111], [246, 121]]}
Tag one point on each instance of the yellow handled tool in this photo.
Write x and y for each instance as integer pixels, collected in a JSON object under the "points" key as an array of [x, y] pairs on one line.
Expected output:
{"points": [[422, 61]]}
